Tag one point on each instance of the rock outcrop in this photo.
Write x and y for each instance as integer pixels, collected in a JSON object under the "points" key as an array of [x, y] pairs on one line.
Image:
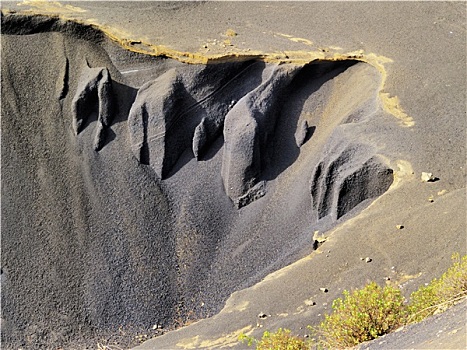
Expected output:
{"points": [[347, 174], [93, 95], [200, 138], [158, 105], [185, 109], [248, 130], [303, 133]]}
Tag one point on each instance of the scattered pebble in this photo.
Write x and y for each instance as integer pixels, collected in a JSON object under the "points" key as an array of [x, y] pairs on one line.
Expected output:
{"points": [[367, 259], [428, 177], [262, 315], [324, 290], [387, 278], [318, 240], [399, 227]]}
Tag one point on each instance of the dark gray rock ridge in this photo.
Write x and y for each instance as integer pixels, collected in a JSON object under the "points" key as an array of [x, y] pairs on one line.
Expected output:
{"points": [[248, 130], [347, 174], [303, 133], [185, 108], [93, 94]]}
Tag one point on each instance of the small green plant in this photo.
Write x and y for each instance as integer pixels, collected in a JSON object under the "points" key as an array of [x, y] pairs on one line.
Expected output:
{"points": [[282, 339], [243, 338], [441, 293], [362, 315]]}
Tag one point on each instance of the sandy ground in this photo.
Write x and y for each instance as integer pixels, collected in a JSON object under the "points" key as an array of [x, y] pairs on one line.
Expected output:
{"points": [[442, 331], [96, 248]]}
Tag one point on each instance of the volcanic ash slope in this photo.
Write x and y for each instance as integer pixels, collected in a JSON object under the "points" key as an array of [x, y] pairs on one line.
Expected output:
{"points": [[139, 191]]}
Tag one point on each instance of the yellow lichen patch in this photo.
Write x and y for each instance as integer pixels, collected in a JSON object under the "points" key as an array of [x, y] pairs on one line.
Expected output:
{"points": [[403, 278], [227, 340], [442, 192], [189, 343], [231, 33], [233, 306], [391, 105], [301, 40], [282, 272], [285, 35], [404, 172], [51, 6], [295, 57], [299, 310], [296, 40]]}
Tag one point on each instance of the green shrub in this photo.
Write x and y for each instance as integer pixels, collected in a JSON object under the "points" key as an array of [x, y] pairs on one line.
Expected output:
{"points": [[440, 293], [362, 315], [280, 340]]}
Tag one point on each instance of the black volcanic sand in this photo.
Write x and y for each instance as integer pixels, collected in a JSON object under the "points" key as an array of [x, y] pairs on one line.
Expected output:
{"points": [[140, 192], [91, 227]]}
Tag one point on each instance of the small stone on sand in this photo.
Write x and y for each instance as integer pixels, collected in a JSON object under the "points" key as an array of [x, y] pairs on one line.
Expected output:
{"points": [[428, 177]]}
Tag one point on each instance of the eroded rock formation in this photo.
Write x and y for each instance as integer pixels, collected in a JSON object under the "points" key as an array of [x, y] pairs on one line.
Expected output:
{"points": [[93, 95], [192, 160], [185, 108], [346, 175]]}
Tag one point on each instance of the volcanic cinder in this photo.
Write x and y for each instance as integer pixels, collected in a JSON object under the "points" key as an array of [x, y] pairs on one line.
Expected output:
{"points": [[141, 191]]}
